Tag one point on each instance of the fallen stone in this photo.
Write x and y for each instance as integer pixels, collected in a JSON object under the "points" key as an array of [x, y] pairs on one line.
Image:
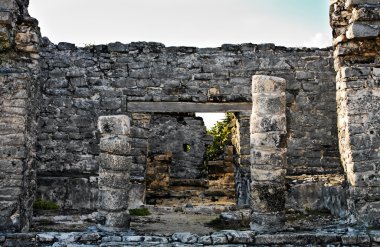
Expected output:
{"points": [[45, 237], [205, 240], [111, 239], [185, 237], [219, 238], [93, 236]]}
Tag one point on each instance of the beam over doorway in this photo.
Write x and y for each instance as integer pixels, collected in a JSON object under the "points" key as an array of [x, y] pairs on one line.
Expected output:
{"points": [[187, 107]]}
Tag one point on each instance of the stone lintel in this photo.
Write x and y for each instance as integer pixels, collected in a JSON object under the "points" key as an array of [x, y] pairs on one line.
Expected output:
{"points": [[187, 107]]}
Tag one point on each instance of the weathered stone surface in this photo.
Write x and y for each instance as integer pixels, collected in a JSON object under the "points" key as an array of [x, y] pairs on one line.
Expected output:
{"points": [[117, 219], [268, 155], [116, 125], [357, 101], [113, 200], [115, 162], [361, 30], [45, 238], [116, 144], [185, 237]]}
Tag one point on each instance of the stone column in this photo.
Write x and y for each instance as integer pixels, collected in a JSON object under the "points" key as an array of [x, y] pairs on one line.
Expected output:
{"points": [[114, 171], [268, 153], [356, 25], [19, 108], [241, 142]]}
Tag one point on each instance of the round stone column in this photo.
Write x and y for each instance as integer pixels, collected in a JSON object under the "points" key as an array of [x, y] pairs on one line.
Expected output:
{"points": [[268, 153], [114, 170]]}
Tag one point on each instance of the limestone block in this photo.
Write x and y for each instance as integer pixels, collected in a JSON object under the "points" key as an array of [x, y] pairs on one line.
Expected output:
{"points": [[267, 197], [65, 46], [116, 125], [268, 84], [185, 237], [260, 124], [268, 139], [113, 200], [361, 30], [115, 144], [266, 222], [26, 38], [75, 73], [14, 152], [350, 3], [219, 238], [116, 180], [6, 18], [11, 166], [304, 75], [115, 162], [267, 173], [136, 195], [117, 47], [347, 72], [8, 5], [12, 140], [117, 219], [363, 179], [262, 104], [376, 72], [5, 39], [268, 156]]}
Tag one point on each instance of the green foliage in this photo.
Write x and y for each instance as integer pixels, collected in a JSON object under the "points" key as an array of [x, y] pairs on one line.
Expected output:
{"points": [[139, 212], [221, 132], [219, 225], [186, 148], [41, 204]]}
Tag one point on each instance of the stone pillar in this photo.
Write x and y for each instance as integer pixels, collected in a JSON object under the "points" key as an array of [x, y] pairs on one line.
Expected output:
{"points": [[268, 153], [114, 171], [355, 25], [19, 105], [241, 142]]}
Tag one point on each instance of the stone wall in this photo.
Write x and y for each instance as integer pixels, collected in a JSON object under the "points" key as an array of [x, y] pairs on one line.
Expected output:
{"points": [[19, 103], [356, 27], [186, 138], [80, 84], [176, 154]]}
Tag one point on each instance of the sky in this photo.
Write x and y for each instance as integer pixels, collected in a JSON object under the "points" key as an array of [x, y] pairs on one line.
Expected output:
{"points": [[201, 23]]}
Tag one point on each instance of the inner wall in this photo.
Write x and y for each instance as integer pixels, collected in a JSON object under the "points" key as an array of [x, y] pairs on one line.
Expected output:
{"points": [[81, 84], [178, 170]]}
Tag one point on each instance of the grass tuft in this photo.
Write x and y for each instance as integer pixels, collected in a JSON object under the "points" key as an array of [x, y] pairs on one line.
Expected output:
{"points": [[139, 212], [41, 204]]}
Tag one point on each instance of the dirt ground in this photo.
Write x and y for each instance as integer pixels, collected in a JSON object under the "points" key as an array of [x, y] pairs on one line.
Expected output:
{"points": [[170, 222]]}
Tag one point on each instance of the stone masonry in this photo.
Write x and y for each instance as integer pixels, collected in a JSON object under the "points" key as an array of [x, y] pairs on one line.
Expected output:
{"points": [[356, 27], [69, 132], [115, 169], [80, 84], [19, 109], [268, 153]]}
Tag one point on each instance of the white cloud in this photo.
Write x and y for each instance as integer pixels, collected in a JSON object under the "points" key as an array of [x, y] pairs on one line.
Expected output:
{"points": [[320, 40]]}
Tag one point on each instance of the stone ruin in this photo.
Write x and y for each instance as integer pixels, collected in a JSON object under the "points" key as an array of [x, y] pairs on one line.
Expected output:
{"points": [[102, 129]]}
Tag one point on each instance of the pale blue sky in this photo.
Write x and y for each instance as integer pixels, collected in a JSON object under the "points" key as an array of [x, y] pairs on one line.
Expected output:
{"points": [[202, 23]]}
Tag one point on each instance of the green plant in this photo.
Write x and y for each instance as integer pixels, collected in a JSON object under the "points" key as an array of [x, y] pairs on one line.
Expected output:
{"points": [[41, 204], [139, 212], [220, 132], [218, 224], [186, 148]]}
